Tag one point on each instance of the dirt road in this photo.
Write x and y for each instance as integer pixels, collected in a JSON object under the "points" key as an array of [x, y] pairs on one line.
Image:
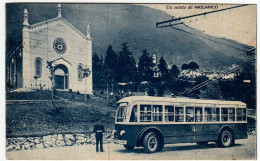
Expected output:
{"points": [[244, 149]]}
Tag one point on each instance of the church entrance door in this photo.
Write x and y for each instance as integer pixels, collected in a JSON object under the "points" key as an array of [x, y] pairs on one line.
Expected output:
{"points": [[61, 77]]}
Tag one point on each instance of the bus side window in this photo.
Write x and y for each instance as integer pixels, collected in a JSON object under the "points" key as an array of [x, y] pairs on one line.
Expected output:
{"points": [[198, 114], [133, 117], [169, 113], [157, 113], [145, 113], [244, 114], [224, 114], [239, 114], [215, 114], [189, 114], [208, 114], [179, 114], [231, 114]]}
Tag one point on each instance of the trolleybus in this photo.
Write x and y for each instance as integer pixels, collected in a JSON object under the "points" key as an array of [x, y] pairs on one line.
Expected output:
{"points": [[151, 122]]}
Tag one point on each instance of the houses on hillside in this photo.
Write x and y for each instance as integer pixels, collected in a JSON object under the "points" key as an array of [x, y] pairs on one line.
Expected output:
{"points": [[191, 74]]}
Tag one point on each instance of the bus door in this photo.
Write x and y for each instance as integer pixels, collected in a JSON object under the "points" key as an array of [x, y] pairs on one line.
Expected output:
{"points": [[194, 126], [187, 127], [175, 128], [211, 117]]}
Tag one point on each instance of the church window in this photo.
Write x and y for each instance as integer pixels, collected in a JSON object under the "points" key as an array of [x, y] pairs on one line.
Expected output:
{"points": [[38, 68], [80, 73], [59, 46]]}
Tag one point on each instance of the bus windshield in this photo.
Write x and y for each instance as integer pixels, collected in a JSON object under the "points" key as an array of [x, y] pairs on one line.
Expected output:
{"points": [[121, 112]]}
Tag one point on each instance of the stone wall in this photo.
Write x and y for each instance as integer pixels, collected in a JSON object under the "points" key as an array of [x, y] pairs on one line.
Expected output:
{"points": [[57, 140]]}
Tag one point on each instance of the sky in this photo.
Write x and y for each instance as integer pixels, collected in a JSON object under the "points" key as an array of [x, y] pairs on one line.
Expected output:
{"points": [[237, 24]]}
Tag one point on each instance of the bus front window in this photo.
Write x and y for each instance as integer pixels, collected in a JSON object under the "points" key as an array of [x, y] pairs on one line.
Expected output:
{"points": [[121, 112]]}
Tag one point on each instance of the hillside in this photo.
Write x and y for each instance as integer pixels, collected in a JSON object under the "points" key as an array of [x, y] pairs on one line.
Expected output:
{"points": [[68, 116], [116, 23]]}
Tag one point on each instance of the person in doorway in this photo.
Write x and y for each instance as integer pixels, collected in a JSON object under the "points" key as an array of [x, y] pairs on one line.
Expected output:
{"points": [[99, 130]]}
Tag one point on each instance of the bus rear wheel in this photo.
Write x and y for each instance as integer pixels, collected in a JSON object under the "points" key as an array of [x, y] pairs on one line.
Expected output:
{"points": [[151, 142], [129, 147], [226, 139]]}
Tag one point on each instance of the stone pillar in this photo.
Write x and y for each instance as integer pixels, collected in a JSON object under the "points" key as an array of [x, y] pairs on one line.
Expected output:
{"points": [[26, 60], [25, 18], [59, 10], [89, 61], [88, 32]]}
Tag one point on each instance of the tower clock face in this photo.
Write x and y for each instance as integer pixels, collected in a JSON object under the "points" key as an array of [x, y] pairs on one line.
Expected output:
{"points": [[59, 46]]}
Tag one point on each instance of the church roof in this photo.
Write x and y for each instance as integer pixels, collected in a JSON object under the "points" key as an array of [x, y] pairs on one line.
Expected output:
{"points": [[44, 24]]}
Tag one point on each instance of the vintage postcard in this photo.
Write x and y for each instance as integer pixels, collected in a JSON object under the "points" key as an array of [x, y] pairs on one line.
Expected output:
{"points": [[97, 81]]}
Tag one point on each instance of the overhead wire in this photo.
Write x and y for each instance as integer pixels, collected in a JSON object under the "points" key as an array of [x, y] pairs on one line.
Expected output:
{"points": [[200, 14], [215, 79], [208, 39], [231, 41]]}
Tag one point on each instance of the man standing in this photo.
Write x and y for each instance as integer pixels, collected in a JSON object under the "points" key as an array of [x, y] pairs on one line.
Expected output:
{"points": [[99, 130]]}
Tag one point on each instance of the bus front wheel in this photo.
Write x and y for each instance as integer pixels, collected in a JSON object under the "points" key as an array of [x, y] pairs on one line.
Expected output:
{"points": [[226, 139], [129, 147], [150, 142]]}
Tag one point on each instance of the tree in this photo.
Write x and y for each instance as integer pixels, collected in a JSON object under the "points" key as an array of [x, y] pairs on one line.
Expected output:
{"points": [[51, 68], [212, 91], [151, 91], [193, 66], [240, 90], [97, 68], [110, 65], [184, 66], [163, 69], [126, 67], [173, 77], [160, 90], [145, 66], [179, 86], [198, 80], [174, 72]]}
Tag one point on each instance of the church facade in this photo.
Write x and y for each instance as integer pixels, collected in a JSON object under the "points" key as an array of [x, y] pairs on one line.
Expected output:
{"points": [[55, 42]]}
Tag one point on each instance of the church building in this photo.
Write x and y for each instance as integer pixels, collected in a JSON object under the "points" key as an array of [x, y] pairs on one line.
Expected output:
{"points": [[55, 42]]}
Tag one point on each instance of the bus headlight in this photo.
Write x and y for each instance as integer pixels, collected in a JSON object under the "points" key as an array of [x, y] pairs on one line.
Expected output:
{"points": [[122, 132]]}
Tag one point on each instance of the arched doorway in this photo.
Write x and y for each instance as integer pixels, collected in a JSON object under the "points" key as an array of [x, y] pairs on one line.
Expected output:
{"points": [[61, 77]]}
